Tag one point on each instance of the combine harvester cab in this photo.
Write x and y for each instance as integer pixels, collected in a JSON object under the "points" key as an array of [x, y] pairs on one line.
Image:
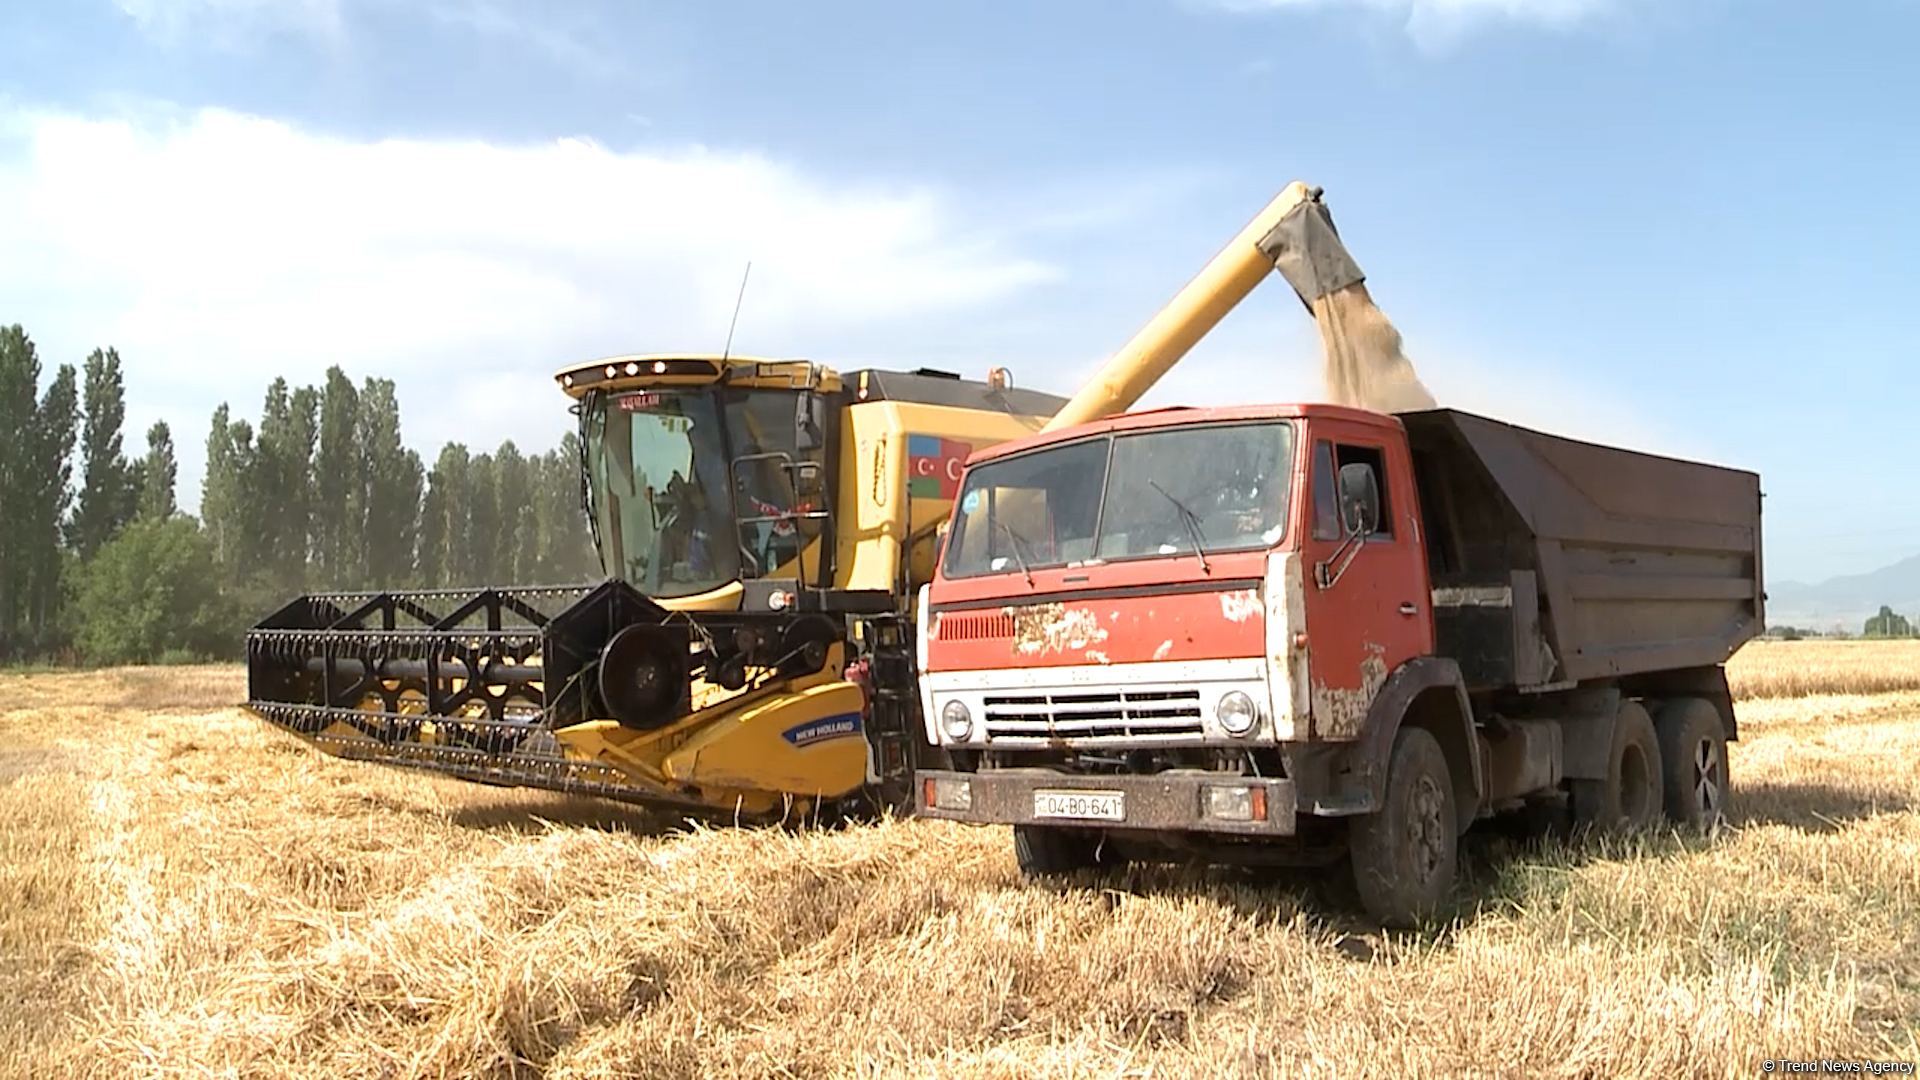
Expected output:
{"points": [[762, 525]]}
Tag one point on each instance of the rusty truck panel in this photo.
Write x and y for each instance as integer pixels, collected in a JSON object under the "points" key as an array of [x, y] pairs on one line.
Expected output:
{"points": [[1555, 561], [1191, 624]]}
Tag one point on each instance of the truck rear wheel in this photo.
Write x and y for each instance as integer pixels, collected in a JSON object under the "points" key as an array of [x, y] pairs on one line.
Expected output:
{"points": [[1044, 851], [1631, 795], [1693, 754], [1404, 855]]}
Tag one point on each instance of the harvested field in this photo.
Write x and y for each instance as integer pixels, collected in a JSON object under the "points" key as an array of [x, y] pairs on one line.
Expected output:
{"points": [[1804, 668], [184, 892]]}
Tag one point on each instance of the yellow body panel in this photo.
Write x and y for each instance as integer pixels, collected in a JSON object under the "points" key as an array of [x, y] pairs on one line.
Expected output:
{"points": [[724, 598], [793, 741], [878, 520]]}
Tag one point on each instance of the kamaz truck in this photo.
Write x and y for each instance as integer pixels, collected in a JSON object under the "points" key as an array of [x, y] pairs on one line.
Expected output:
{"points": [[1322, 635]]}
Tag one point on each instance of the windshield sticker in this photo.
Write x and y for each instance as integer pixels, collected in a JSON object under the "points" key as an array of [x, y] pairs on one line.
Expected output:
{"points": [[843, 726], [933, 466], [971, 503]]}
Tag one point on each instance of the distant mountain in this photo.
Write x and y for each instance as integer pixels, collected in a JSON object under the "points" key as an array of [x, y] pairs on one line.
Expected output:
{"points": [[1846, 601]]}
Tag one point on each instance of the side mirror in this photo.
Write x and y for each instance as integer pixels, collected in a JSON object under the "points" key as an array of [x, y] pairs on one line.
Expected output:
{"points": [[1359, 500], [806, 423]]}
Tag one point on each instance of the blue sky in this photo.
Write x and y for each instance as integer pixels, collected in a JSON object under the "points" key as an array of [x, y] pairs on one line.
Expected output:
{"points": [[1679, 225]]}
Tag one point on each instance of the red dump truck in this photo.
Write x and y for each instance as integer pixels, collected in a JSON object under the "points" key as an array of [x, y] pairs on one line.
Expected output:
{"points": [[1314, 634]]}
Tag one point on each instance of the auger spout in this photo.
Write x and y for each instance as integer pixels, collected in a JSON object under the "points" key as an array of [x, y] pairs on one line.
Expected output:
{"points": [[1293, 235]]}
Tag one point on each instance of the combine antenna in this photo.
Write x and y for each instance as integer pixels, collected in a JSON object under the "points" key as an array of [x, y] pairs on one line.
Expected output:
{"points": [[728, 351]]}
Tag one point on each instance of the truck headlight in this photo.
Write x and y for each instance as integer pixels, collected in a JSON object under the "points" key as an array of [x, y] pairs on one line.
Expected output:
{"points": [[1236, 713], [956, 721]]}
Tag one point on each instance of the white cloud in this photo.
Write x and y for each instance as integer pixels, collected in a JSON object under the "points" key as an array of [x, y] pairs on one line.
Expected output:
{"points": [[217, 250], [1436, 22]]}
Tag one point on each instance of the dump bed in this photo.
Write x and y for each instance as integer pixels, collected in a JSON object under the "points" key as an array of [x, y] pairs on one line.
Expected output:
{"points": [[1555, 561]]}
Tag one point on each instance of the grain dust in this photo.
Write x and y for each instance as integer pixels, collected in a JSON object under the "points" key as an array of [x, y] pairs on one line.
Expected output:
{"points": [[1365, 361]]}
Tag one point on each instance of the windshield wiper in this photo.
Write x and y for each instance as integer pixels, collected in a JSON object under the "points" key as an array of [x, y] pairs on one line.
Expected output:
{"points": [[1192, 521], [1017, 542]]}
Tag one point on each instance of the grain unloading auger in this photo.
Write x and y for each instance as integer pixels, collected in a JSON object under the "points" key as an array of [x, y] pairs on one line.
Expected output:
{"points": [[765, 527]]}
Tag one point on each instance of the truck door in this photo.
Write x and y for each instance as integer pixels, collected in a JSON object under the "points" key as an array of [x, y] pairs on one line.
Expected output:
{"points": [[1366, 598]]}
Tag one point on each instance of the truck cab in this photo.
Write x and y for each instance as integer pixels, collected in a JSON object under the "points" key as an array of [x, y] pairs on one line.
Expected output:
{"points": [[1313, 633]]}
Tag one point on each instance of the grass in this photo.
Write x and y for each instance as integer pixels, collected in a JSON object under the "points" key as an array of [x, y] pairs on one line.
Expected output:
{"points": [[185, 892]]}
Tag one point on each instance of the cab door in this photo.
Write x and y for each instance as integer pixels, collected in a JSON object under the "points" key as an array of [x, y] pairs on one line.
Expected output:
{"points": [[1366, 590]]}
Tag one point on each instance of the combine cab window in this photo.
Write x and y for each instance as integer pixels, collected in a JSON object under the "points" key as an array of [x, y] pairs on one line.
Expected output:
{"points": [[696, 488], [766, 447], [659, 466]]}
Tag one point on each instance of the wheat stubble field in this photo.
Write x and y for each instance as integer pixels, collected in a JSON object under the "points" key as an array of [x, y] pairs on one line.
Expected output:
{"points": [[183, 892]]}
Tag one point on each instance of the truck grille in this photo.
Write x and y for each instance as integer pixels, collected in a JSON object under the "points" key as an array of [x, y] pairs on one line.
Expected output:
{"points": [[1091, 717], [972, 626]]}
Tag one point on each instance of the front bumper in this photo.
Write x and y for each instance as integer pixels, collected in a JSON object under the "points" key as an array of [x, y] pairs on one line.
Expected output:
{"points": [[1161, 802]]}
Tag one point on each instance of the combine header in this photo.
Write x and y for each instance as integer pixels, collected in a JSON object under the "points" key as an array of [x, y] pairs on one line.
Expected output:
{"points": [[458, 682]]}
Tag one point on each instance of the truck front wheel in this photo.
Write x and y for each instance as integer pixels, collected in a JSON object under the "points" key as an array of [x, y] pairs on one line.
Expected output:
{"points": [[1630, 796], [1693, 756], [1404, 855], [1043, 851]]}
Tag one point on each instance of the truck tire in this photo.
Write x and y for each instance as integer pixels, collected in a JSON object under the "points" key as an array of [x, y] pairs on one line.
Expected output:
{"points": [[1693, 755], [1044, 851], [1404, 855], [1631, 795]]}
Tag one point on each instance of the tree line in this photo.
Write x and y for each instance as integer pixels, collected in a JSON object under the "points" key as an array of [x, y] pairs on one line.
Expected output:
{"points": [[98, 563]]}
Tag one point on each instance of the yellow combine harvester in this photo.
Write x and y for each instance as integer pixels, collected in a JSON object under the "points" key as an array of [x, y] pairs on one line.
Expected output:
{"points": [[764, 527], [760, 524]]}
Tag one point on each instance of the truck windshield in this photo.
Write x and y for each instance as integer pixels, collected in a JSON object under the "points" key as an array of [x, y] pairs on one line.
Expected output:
{"points": [[691, 488], [1213, 488]]}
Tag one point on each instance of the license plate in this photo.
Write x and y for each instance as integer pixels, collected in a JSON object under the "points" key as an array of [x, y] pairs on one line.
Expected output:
{"points": [[1080, 805]]}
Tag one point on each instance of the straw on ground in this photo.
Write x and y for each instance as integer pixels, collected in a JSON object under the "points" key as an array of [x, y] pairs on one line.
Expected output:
{"points": [[183, 891]]}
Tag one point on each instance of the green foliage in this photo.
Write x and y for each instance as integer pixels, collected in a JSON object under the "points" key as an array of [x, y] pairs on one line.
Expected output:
{"points": [[323, 494], [281, 480], [107, 490], [36, 452], [157, 473], [154, 592], [391, 478], [443, 521], [339, 512], [1887, 624]]}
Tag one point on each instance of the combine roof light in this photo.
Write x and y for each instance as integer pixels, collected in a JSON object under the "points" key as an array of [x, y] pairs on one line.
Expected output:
{"points": [[659, 367], [566, 380], [612, 371], [633, 368]]}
